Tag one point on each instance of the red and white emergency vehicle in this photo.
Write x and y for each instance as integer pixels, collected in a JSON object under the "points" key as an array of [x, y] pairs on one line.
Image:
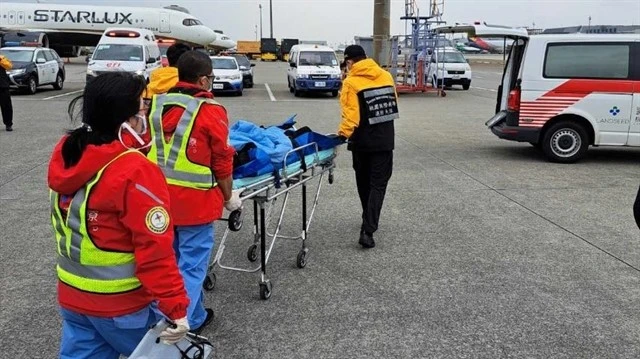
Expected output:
{"points": [[565, 92]]}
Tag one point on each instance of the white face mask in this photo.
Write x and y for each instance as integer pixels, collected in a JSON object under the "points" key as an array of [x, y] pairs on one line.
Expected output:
{"points": [[127, 126]]}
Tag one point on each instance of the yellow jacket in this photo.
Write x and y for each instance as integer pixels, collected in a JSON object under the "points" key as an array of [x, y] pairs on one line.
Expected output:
{"points": [[363, 75], [161, 81], [5, 63]]}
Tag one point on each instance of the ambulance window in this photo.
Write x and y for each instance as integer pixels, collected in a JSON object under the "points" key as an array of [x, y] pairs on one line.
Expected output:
{"points": [[40, 56], [597, 61], [48, 55]]}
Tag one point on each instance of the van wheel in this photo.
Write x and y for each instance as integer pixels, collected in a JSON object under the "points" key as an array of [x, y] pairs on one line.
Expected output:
{"points": [[334, 93], [32, 85], [466, 86], [290, 87], [565, 142], [59, 82]]}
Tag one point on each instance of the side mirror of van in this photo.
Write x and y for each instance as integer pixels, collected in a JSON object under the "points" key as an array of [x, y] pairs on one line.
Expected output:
{"points": [[293, 64], [151, 60], [253, 65], [87, 59], [41, 61]]}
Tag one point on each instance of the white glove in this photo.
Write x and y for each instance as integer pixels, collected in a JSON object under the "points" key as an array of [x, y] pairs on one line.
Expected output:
{"points": [[171, 335], [234, 203]]}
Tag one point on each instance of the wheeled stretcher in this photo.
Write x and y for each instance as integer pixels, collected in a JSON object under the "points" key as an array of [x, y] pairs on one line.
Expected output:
{"points": [[263, 192]]}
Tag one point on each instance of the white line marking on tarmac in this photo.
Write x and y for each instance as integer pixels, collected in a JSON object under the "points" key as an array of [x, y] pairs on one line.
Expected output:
{"points": [[484, 89], [62, 95], [273, 98]]}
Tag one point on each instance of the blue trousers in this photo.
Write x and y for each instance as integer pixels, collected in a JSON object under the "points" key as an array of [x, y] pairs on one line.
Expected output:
{"points": [[193, 246], [87, 337]]}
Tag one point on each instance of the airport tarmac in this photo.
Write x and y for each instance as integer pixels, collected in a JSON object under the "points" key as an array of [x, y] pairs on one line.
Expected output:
{"points": [[485, 249]]}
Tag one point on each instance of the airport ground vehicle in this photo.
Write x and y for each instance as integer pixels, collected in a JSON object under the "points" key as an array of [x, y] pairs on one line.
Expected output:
{"points": [[125, 49], [285, 48], [565, 92], [452, 69], [33, 67], [246, 67], [269, 49], [313, 68], [228, 77], [249, 48]]}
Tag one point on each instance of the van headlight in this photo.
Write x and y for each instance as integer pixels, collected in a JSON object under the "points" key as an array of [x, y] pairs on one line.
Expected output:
{"points": [[236, 77], [335, 76], [16, 71], [140, 72], [302, 76]]}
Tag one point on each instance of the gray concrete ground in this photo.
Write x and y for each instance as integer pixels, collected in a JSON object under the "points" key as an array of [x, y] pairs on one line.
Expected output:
{"points": [[485, 249]]}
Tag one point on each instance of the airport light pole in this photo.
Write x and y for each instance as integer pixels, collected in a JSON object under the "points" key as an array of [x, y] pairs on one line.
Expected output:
{"points": [[381, 29], [271, 19], [260, 6]]}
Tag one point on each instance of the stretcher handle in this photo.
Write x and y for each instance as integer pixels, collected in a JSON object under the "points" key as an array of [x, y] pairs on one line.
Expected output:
{"points": [[311, 144]]}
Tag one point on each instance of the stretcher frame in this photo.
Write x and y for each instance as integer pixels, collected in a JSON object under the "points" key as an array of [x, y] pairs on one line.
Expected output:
{"points": [[264, 194]]}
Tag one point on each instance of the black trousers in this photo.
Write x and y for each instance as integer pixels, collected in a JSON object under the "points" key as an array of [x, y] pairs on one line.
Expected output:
{"points": [[6, 107], [373, 171]]}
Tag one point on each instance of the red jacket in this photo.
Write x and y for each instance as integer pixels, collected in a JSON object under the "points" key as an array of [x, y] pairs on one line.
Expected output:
{"points": [[208, 146], [116, 216]]}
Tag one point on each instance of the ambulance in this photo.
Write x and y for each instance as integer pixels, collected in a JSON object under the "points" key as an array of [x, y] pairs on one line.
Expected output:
{"points": [[125, 49], [565, 92]]}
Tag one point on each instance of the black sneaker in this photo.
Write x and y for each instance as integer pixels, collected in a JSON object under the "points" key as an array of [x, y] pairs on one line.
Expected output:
{"points": [[206, 322], [9, 128], [366, 240]]}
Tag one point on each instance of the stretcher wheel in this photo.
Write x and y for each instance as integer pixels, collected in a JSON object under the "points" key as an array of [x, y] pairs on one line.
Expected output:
{"points": [[209, 282], [330, 178], [302, 258], [265, 290], [252, 253], [235, 220]]}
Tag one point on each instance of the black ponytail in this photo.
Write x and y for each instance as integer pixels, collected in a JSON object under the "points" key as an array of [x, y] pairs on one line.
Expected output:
{"points": [[108, 101]]}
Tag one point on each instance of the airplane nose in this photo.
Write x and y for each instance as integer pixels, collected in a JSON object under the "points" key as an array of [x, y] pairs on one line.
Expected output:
{"points": [[209, 36]]}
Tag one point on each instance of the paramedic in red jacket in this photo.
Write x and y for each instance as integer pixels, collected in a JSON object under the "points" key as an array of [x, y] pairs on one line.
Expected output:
{"points": [[191, 146], [113, 230]]}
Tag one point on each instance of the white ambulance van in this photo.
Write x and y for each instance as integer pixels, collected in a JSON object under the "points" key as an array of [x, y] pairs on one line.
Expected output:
{"points": [[125, 49], [313, 68], [565, 92]]}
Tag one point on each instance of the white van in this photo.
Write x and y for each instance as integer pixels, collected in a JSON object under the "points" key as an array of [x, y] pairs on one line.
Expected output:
{"points": [[564, 92], [125, 49], [313, 68], [452, 69]]}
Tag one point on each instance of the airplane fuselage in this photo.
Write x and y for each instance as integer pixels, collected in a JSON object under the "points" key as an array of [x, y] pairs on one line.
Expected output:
{"points": [[94, 19]]}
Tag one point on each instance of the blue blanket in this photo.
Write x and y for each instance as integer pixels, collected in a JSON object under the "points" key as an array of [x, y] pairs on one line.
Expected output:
{"points": [[262, 150]]}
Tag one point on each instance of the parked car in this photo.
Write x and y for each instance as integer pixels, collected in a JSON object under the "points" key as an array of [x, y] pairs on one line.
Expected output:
{"points": [[34, 67], [453, 68], [247, 69], [228, 77]]}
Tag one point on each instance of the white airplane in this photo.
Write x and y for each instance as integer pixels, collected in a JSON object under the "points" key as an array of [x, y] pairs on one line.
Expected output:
{"points": [[67, 27], [222, 42]]}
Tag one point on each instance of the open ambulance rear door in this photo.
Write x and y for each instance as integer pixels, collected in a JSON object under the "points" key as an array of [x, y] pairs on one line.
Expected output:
{"points": [[512, 66]]}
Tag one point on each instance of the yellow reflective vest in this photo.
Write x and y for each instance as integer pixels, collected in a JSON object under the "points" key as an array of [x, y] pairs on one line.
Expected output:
{"points": [[81, 264], [171, 156]]}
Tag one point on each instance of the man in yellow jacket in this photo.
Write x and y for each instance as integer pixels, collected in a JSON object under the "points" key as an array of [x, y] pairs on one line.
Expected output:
{"points": [[5, 96], [165, 78], [369, 109]]}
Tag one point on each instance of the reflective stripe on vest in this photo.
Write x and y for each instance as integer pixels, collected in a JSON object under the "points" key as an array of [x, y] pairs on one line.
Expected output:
{"points": [[81, 264], [171, 157]]}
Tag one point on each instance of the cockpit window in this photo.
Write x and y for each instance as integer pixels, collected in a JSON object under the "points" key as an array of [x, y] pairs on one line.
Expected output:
{"points": [[191, 22]]}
